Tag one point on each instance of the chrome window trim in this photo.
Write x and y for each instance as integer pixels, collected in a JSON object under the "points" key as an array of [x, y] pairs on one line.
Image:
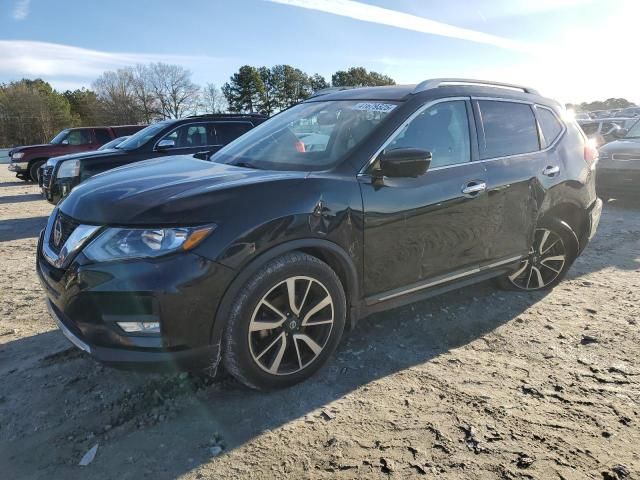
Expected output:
{"points": [[198, 123], [404, 124], [74, 243], [449, 278]]}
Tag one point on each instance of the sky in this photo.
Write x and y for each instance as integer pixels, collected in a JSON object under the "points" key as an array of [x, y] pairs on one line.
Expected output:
{"points": [[571, 50]]}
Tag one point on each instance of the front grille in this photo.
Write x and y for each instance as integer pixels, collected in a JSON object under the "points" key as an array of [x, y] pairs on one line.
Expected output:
{"points": [[67, 226], [626, 156], [45, 178]]}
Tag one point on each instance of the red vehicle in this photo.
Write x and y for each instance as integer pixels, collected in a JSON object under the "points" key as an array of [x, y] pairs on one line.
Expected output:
{"points": [[26, 161]]}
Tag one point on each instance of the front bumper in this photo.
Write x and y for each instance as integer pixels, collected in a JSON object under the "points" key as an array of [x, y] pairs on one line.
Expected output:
{"points": [[181, 291], [19, 167]]}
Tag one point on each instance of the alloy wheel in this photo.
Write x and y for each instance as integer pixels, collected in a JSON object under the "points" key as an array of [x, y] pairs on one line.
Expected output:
{"points": [[291, 325], [544, 263]]}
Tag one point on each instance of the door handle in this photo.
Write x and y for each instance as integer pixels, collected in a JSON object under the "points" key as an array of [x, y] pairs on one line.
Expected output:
{"points": [[551, 171], [474, 188]]}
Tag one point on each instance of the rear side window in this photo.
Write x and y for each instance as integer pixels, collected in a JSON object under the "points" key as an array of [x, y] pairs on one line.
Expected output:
{"points": [[509, 129], [550, 125], [102, 136], [229, 131]]}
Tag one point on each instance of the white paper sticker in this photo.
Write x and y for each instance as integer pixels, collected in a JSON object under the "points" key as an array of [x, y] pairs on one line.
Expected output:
{"points": [[374, 107]]}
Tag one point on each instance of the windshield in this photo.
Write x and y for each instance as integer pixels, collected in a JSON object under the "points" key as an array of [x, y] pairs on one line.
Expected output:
{"points": [[113, 143], [142, 137], [309, 136], [634, 132], [60, 137]]}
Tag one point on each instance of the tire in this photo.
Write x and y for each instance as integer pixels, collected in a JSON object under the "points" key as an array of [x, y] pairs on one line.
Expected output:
{"points": [[544, 268], [270, 343], [33, 170]]}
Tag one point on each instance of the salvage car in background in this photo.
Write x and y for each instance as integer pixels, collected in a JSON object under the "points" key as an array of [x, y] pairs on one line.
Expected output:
{"points": [[619, 165], [26, 161], [605, 130], [203, 134], [261, 256]]}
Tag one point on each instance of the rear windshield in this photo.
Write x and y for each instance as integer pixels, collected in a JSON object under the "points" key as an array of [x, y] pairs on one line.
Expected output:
{"points": [[307, 137]]}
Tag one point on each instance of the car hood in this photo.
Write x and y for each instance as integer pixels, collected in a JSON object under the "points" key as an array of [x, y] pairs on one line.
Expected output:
{"points": [[624, 145], [81, 155], [29, 148], [179, 190]]}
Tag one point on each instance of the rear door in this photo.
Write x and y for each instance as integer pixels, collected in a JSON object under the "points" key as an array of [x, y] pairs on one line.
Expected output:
{"points": [[510, 149]]}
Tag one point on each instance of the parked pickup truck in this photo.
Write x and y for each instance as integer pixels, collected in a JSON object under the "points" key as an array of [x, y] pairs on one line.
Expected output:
{"points": [[201, 135], [27, 160]]}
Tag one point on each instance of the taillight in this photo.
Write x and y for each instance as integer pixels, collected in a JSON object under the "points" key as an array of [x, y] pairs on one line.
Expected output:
{"points": [[590, 153]]}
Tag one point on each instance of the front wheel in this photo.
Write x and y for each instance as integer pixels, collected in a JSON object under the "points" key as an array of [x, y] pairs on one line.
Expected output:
{"points": [[33, 171], [285, 323], [555, 247]]}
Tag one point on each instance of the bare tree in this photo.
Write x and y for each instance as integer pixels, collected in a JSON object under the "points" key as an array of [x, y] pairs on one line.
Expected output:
{"points": [[213, 100], [144, 92], [173, 89], [117, 91]]}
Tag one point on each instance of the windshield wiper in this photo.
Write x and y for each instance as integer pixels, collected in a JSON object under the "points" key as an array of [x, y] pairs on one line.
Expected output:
{"points": [[245, 165]]}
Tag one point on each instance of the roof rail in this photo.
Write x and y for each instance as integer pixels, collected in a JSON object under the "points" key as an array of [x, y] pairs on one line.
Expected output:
{"points": [[439, 82], [229, 115], [326, 91]]}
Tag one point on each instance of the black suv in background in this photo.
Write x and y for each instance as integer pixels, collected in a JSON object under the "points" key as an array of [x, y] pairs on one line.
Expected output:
{"points": [[351, 202], [203, 134]]}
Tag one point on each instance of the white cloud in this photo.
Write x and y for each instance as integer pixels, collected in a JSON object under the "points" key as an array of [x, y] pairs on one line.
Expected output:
{"points": [[21, 9], [384, 16], [65, 64]]}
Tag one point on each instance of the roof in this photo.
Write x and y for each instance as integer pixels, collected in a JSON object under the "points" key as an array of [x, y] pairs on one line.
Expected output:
{"points": [[433, 87]]}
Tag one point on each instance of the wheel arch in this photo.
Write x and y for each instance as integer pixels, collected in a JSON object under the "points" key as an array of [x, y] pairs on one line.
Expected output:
{"points": [[329, 252], [573, 215]]}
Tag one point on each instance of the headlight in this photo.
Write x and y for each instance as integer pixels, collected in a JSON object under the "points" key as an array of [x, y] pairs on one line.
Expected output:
{"points": [[124, 243], [68, 169], [17, 156]]}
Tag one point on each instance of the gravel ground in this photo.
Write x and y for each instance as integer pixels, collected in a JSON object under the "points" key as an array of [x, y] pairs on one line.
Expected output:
{"points": [[477, 383]]}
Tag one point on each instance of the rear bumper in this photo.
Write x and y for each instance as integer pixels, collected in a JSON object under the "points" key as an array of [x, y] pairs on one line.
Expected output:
{"points": [[594, 217]]}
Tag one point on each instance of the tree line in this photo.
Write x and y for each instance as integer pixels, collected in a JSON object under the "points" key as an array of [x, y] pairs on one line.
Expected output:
{"points": [[607, 104], [32, 111]]}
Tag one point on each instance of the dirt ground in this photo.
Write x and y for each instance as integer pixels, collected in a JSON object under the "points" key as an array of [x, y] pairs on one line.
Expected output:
{"points": [[478, 383]]}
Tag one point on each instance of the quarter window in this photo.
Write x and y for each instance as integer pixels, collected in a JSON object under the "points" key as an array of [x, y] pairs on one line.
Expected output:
{"points": [[550, 125], [443, 130], [509, 129]]}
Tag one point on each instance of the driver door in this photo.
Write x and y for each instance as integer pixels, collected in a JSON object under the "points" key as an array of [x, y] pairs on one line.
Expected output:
{"points": [[419, 229]]}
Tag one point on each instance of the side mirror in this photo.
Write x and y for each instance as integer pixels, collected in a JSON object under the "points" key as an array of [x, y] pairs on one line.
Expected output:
{"points": [[64, 142], [165, 144], [620, 132], [404, 162]]}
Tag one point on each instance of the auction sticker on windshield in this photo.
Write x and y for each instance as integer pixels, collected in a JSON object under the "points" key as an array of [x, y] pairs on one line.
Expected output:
{"points": [[374, 107]]}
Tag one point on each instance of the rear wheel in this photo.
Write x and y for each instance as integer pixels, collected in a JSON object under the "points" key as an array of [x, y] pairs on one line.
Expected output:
{"points": [[33, 170], [285, 323], [552, 253]]}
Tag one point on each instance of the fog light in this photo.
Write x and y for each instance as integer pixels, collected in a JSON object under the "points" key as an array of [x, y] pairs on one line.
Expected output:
{"points": [[140, 327]]}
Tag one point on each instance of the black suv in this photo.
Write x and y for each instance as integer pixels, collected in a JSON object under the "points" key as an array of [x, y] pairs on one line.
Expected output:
{"points": [[203, 135], [351, 202]]}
